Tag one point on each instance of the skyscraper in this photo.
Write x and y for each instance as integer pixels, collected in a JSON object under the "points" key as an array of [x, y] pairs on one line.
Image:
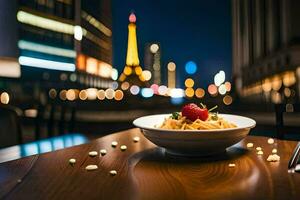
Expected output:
{"points": [[152, 61], [60, 34]]}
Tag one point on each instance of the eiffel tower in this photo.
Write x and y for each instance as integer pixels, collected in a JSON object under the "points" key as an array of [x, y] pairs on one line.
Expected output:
{"points": [[132, 72]]}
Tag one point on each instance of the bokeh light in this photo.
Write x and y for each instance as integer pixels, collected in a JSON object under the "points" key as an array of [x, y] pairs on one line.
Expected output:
{"points": [[154, 87], [127, 71], [162, 90], [147, 92], [114, 74], [138, 70], [276, 97], [63, 95], [119, 95], [176, 93], [71, 95], [222, 89], [189, 82], [191, 67], [189, 92], [267, 85], [134, 89], [109, 93], [4, 98], [177, 100], [125, 86], [114, 85], [91, 93], [146, 75], [171, 66], [227, 100], [287, 92], [101, 94], [83, 95], [212, 89], [199, 93], [228, 86], [52, 93], [154, 48], [219, 78], [276, 83]]}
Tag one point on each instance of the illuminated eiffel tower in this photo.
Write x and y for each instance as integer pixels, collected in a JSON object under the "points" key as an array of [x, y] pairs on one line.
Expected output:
{"points": [[133, 72]]}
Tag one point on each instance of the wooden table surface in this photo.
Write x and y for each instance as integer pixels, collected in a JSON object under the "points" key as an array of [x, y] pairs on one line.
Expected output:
{"points": [[145, 172]]}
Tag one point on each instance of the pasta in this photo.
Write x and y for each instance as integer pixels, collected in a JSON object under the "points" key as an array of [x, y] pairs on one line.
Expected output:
{"points": [[213, 122]]}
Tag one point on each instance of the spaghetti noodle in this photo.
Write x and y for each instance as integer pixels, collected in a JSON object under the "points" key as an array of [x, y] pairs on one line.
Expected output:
{"points": [[182, 123]]}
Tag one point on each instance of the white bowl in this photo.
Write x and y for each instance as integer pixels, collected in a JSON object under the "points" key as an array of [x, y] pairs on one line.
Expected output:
{"points": [[194, 142]]}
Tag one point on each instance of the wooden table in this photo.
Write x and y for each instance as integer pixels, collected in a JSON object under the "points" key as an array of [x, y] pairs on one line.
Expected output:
{"points": [[145, 172]]}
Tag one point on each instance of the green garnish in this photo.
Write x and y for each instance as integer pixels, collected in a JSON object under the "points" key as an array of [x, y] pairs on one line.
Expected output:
{"points": [[203, 106], [213, 108], [215, 116], [175, 115]]}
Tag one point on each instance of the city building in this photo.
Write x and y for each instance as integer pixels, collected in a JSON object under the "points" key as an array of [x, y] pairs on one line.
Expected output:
{"points": [[152, 61], [266, 49], [71, 36]]}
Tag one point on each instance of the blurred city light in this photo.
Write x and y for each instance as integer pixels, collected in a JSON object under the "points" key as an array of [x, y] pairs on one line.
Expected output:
{"points": [[32, 46], [71, 95], [189, 92], [162, 90], [219, 78], [228, 86], [212, 89], [78, 32], [114, 74], [276, 83], [176, 93], [147, 92], [4, 98], [287, 92], [101, 94], [191, 67], [138, 70], [189, 82], [267, 85], [134, 89], [127, 71], [222, 89], [47, 64], [125, 86], [289, 78], [227, 100], [171, 66], [63, 95], [132, 18], [109, 93], [114, 85], [91, 93], [154, 87], [52, 93], [177, 100], [146, 75], [83, 95], [154, 48], [46, 23], [199, 93], [119, 95]]}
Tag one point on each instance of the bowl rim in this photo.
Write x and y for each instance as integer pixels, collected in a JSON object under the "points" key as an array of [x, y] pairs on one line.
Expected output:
{"points": [[252, 124]]}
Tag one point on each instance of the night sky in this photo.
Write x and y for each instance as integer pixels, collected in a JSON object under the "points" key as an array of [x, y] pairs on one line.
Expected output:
{"points": [[197, 30]]}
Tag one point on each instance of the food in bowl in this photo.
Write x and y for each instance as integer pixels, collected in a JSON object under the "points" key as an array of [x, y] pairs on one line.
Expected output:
{"points": [[193, 117]]}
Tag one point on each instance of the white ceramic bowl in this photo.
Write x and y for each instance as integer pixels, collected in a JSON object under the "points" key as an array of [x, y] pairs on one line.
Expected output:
{"points": [[194, 142]]}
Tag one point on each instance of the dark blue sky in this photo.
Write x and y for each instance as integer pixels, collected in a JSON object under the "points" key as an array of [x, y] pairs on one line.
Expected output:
{"points": [[198, 30]]}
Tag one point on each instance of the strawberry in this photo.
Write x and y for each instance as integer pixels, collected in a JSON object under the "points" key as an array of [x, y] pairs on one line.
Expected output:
{"points": [[192, 112]]}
